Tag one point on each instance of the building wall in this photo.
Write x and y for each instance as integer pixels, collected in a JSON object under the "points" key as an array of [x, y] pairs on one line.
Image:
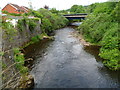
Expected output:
{"points": [[10, 9]]}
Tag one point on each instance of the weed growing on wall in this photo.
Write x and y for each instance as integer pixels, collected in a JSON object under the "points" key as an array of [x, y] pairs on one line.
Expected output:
{"points": [[19, 60], [32, 23], [9, 30]]}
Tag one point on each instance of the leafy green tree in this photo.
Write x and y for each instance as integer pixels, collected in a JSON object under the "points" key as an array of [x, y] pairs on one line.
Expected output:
{"points": [[63, 12], [46, 25], [77, 9], [107, 7], [101, 28], [52, 20], [115, 14], [46, 7], [54, 11], [91, 7], [73, 8], [80, 9]]}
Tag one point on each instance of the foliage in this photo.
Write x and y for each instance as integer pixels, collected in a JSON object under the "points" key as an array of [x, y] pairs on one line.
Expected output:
{"points": [[115, 13], [13, 14], [35, 39], [54, 11], [63, 12], [51, 21], [39, 37], [110, 49], [32, 23], [46, 7], [90, 8], [77, 9], [1, 53], [0, 20], [9, 30], [46, 25], [107, 7], [21, 24], [33, 13], [19, 60], [101, 28]]}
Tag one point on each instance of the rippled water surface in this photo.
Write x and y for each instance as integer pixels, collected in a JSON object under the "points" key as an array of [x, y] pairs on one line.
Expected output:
{"points": [[65, 63]]}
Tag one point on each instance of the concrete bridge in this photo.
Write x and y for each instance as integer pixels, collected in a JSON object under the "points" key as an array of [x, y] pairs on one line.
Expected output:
{"points": [[75, 16]]}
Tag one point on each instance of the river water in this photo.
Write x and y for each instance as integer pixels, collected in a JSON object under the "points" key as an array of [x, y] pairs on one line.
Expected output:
{"points": [[65, 63]]}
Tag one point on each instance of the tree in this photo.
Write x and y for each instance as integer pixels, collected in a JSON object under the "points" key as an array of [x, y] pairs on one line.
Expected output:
{"points": [[101, 28], [77, 9], [53, 10], [80, 9], [46, 7], [73, 8]]}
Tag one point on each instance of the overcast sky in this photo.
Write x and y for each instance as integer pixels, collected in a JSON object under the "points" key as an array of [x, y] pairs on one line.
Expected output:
{"points": [[58, 4]]}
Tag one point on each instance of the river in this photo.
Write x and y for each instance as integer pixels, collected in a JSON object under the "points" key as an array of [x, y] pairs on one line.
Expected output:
{"points": [[66, 63]]}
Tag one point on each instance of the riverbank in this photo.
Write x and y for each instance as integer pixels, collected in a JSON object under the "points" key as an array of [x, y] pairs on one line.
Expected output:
{"points": [[89, 47], [98, 46], [76, 34], [27, 32], [64, 63], [101, 28], [13, 39]]}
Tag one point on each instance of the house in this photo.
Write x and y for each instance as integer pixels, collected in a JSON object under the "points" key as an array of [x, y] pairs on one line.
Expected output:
{"points": [[13, 8]]}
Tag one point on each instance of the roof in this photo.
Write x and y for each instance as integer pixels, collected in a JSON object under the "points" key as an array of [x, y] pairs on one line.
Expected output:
{"points": [[20, 8], [15, 6], [25, 8]]}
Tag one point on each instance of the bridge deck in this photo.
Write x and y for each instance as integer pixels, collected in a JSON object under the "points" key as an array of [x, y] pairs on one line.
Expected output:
{"points": [[77, 16]]}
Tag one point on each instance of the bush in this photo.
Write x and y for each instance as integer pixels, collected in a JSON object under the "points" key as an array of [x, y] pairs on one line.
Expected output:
{"points": [[51, 21], [19, 60], [32, 23], [35, 39], [101, 28], [9, 30]]}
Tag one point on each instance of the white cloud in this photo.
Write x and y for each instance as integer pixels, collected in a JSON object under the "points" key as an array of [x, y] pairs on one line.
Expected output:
{"points": [[58, 4]]}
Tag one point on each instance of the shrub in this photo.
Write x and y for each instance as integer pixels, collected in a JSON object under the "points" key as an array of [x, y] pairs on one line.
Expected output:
{"points": [[19, 60], [101, 28], [32, 23]]}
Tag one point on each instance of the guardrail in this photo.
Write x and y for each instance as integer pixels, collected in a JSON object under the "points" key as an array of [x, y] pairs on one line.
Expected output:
{"points": [[75, 14]]}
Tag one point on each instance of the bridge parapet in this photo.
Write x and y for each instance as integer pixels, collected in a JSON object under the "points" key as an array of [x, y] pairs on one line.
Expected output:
{"points": [[75, 16]]}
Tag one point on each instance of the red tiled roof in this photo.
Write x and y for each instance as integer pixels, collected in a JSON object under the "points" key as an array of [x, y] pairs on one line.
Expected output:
{"points": [[20, 8], [24, 8]]}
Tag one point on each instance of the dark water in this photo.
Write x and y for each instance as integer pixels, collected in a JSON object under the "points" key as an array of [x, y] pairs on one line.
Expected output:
{"points": [[65, 63]]}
